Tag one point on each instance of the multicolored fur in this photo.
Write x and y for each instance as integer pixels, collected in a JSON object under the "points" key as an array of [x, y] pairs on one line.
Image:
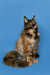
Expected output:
{"points": [[27, 45]]}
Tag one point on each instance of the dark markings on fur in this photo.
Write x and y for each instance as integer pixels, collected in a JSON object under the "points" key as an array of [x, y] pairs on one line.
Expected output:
{"points": [[35, 36], [29, 20], [33, 25], [37, 55], [14, 61], [5, 59], [28, 28], [35, 32], [26, 23], [29, 35], [11, 59], [36, 29]]}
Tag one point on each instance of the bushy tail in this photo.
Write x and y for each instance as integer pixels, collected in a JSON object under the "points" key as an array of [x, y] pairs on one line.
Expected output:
{"points": [[11, 59]]}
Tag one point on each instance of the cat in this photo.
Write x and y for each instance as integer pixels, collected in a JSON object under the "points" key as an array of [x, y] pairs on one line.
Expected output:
{"points": [[26, 46]]}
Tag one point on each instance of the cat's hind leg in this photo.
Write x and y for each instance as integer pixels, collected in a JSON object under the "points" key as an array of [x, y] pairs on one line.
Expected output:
{"points": [[34, 60]]}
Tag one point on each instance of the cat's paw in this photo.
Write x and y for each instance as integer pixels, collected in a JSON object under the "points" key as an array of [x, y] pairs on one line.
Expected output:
{"points": [[29, 63], [35, 60], [23, 58]]}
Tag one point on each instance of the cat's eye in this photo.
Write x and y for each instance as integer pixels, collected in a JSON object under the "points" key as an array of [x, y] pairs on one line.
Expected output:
{"points": [[33, 25]]}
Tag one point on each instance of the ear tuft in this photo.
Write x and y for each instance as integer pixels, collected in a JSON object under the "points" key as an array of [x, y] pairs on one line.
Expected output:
{"points": [[25, 19], [34, 16]]}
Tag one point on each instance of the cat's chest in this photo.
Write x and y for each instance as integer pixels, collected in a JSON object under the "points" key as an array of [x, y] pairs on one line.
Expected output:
{"points": [[32, 44]]}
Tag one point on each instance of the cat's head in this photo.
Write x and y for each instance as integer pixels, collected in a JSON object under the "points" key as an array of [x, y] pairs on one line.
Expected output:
{"points": [[30, 27], [30, 23]]}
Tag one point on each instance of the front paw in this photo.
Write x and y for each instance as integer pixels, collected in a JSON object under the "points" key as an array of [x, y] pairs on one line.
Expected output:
{"points": [[35, 60], [29, 63], [23, 58]]}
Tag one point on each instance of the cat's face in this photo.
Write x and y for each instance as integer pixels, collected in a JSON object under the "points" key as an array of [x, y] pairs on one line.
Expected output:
{"points": [[31, 28], [30, 23]]}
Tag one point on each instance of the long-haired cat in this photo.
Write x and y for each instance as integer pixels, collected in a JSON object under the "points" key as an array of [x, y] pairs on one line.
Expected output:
{"points": [[26, 47]]}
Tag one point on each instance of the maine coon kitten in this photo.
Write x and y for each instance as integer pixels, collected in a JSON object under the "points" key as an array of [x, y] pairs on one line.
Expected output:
{"points": [[26, 47]]}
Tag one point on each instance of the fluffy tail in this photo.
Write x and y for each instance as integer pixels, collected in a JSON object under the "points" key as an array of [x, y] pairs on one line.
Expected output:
{"points": [[11, 59]]}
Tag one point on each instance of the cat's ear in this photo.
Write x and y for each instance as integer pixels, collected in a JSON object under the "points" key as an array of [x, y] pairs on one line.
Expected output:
{"points": [[33, 17], [25, 19]]}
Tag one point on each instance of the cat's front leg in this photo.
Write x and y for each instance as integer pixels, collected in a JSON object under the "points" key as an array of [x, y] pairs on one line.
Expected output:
{"points": [[27, 53], [34, 53], [28, 57]]}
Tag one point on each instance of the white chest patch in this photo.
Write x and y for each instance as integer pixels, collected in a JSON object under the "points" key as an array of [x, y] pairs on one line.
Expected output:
{"points": [[33, 43]]}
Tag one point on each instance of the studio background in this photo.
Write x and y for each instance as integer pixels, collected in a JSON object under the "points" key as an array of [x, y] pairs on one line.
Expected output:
{"points": [[12, 14]]}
